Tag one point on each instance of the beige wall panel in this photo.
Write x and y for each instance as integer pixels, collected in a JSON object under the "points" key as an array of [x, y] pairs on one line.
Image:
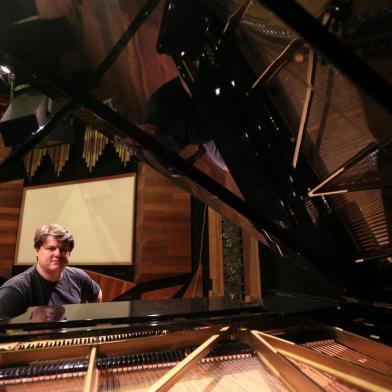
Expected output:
{"points": [[100, 214]]}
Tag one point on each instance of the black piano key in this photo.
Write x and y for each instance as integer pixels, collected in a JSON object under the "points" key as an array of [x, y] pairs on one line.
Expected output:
{"points": [[61, 367], [130, 360], [134, 359], [75, 366], [104, 364], [225, 350], [125, 360], [23, 371], [180, 354], [70, 367], [37, 370], [120, 360], [141, 358], [3, 375], [109, 362], [98, 363], [66, 367], [144, 357], [84, 364], [51, 369], [46, 368], [28, 371], [81, 365], [31, 371], [16, 372], [147, 359], [169, 356], [6, 374], [156, 359], [165, 357], [116, 361]]}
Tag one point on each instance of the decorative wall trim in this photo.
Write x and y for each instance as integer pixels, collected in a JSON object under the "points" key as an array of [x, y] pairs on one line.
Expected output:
{"points": [[94, 144]]}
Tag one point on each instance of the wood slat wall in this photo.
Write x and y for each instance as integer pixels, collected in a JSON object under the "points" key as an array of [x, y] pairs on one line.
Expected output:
{"points": [[163, 228], [111, 287], [10, 200]]}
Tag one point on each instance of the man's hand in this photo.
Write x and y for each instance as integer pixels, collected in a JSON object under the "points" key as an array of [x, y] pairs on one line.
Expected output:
{"points": [[99, 297]]}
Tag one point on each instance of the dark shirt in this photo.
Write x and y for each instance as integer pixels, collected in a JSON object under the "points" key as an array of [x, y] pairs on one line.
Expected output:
{"points": [[30, 289]]}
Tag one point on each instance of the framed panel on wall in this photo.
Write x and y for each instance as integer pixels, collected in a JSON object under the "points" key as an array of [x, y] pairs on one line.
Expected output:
{"points": [[99, 213]]}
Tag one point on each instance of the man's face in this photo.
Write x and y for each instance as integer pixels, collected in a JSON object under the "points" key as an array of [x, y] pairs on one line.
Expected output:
{"points": [[53, 256]]}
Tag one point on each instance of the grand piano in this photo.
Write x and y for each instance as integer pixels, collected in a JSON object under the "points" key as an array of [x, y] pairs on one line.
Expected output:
{"points": [[297, 99]]}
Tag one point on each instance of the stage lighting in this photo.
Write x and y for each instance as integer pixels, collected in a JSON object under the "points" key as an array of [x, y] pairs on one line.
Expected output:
{"points": [[28, 111]]}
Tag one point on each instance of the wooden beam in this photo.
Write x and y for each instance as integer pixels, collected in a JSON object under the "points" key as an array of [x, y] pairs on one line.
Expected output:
{"points": [[173, 375]]}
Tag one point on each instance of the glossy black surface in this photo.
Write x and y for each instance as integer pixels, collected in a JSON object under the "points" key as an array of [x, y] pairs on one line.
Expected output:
{"points": [[372, 322], [129, 312], [252, 138], [131, 319], [254, 141], [257, 146]]}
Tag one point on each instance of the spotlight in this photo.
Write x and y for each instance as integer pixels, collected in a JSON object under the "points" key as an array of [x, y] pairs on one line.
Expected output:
{"points": [[4, 69]]}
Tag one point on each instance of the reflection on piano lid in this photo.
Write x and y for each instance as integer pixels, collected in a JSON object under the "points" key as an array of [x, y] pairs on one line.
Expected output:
{"points": [[305, 140], [302, 123], [304, 134], [131, 312]]}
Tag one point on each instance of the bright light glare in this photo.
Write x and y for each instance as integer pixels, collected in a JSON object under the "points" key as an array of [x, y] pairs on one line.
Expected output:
{"points": [[5, 69]]}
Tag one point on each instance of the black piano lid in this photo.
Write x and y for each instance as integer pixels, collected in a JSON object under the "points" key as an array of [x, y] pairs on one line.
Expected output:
{"points": [[328, 190], [299, 208], [132, 313], [152, 313]]}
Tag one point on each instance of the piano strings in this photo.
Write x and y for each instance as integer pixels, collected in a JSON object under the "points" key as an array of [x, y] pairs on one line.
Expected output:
{"points": [[121, 364]]}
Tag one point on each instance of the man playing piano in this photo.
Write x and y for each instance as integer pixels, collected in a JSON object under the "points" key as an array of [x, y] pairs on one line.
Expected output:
{"points": [[50, 281]]}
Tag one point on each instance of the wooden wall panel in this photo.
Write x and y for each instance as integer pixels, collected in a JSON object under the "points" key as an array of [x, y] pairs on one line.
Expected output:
{"points": [[111, 287], [10, 200], [166, 293], [97, 25], [251, 259], [163, 227]]}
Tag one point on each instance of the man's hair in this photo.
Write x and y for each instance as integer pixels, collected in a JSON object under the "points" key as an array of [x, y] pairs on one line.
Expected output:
{"points": [[59, 232]]}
